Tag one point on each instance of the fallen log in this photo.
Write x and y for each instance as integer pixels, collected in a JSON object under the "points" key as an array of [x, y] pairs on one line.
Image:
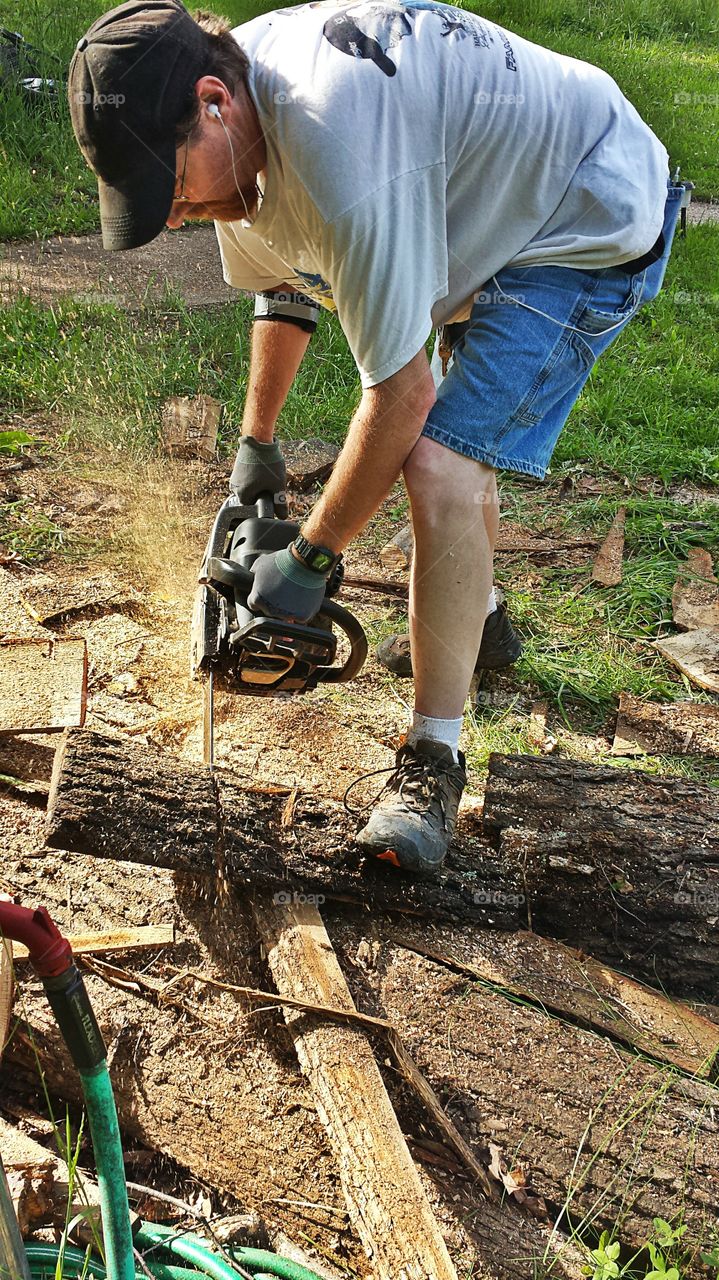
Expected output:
{"points": [[113, 798], [618, 862]]}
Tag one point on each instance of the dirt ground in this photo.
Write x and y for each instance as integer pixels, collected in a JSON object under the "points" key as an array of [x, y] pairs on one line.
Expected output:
{"points": [[78, 266], [211, 1098]]}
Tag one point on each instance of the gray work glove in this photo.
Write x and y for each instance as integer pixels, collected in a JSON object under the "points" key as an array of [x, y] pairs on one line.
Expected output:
{"points": [[285, 588], [259, 468]]}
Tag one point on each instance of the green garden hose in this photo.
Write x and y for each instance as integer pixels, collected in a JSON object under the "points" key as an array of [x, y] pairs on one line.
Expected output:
{"points": [[261, 1265]]}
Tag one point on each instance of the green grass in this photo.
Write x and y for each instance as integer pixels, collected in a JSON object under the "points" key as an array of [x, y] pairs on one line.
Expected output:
{"points": [[664, 56]]}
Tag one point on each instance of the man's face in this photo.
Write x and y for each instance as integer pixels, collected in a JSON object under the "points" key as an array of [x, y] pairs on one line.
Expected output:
{"points": [[205, 186]]}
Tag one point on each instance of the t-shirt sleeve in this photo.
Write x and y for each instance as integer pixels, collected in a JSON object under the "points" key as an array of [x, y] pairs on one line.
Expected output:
{"points": [[387, 263], [247, 263]]}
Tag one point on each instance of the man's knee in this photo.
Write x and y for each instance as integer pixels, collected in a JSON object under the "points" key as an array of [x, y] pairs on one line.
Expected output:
{"points": [[432, 470]]}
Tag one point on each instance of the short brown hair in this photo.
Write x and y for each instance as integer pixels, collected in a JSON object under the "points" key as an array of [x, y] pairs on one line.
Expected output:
{"points": [[225, 59]]}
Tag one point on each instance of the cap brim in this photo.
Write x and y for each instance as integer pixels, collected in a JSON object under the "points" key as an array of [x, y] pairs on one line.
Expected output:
{"points": [[134, 211]]}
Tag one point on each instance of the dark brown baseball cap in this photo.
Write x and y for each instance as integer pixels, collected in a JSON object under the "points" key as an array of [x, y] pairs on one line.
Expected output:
{"points": [[131, 81]]}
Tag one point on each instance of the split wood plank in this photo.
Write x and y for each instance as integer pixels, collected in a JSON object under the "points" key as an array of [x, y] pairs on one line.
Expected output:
{"points": [[695, 598], [623, 864], [189, 426], [671, 728], [576, 1119], [696, 654], [95, 944], [43, 684], [602, 830], [385, 1198], [576, 988], [607, 567]]}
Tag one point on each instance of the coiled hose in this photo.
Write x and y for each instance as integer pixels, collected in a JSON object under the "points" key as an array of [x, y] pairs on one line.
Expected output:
{"points": [[166, 1262], [165, 1252]]}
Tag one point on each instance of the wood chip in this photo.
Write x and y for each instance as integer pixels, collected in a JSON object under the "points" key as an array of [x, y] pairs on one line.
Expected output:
{"points": [[695, 598], [607, 567], [696, 653], [672, 728], [189, 426], [43, 684]]}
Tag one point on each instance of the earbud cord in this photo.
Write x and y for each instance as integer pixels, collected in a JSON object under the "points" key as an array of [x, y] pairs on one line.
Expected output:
{"points": [[234, 171]]}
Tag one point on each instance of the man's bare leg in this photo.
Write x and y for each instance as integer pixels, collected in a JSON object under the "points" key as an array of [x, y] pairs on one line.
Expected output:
{"points": [[455, 517]]}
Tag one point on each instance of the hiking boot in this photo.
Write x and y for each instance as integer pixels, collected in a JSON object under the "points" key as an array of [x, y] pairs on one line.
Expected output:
{"points": [[500, 647], [413, 822]]}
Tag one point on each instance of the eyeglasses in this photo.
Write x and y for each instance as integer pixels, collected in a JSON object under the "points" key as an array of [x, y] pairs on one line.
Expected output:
{"points": [[178, 196]]}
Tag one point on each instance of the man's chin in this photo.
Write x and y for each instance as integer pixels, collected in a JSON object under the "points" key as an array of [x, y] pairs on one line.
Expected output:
{"points": [[219, 211]]}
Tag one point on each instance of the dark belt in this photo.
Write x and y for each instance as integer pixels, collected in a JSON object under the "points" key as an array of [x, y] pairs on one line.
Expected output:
{"points": [[646, 260]]}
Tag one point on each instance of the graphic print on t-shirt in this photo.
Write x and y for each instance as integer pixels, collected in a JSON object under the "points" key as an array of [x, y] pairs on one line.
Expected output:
{"points": [[365, 29]]}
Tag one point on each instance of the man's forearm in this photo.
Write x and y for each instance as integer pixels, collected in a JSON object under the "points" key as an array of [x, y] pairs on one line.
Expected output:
{"points": [[382, 434], [277, 352]]}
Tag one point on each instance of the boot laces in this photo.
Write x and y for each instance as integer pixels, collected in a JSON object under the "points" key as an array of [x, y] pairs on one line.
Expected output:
{"points": [[416, 780]]}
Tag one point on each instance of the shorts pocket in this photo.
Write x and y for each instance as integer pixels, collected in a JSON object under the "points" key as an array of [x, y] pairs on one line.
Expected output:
{"points": [[614, 300]]}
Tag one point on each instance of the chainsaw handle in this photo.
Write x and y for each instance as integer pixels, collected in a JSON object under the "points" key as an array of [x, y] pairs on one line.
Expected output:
{"points": [[358, 643], [233, 575]]}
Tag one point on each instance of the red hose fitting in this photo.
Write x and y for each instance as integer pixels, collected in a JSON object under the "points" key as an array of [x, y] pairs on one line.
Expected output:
{"points": [[50, 952]]}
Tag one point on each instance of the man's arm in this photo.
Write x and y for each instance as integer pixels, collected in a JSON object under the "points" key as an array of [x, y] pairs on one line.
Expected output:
{"points": [[278, 346], [383, 432]]}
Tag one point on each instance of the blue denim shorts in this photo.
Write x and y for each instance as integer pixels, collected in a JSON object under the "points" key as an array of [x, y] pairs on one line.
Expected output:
{"points": [[515, 374]]}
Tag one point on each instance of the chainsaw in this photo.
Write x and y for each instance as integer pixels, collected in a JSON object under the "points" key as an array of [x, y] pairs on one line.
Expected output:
{"points": [[251, 653]]}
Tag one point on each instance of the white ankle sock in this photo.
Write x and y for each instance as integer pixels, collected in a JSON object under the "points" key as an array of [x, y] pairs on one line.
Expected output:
{"points": [[444, 731], [491, 602]]}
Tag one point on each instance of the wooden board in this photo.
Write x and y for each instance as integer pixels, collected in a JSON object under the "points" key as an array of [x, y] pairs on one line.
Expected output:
{"points": [[95, 944], [386, 1201], [6, 989], [696, 654], [671, 728], [43, 684], [695, 598]]}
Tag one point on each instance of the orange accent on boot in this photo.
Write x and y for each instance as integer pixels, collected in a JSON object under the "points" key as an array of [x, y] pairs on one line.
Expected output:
{"points": [[389, 855]]}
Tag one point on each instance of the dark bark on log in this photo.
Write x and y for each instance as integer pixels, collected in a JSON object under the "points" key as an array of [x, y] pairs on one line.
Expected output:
{"points": [[618, 862], [613, 861], [115, 799]]}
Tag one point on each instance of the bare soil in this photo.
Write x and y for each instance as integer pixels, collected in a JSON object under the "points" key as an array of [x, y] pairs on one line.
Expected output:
{"points": [[261, 1145]]}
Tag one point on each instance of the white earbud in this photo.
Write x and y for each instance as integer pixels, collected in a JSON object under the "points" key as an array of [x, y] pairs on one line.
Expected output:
{"points": [[214, 110]]}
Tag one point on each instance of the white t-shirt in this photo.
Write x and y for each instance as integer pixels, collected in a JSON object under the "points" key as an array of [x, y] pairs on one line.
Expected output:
{"points": [[415, 149]]}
